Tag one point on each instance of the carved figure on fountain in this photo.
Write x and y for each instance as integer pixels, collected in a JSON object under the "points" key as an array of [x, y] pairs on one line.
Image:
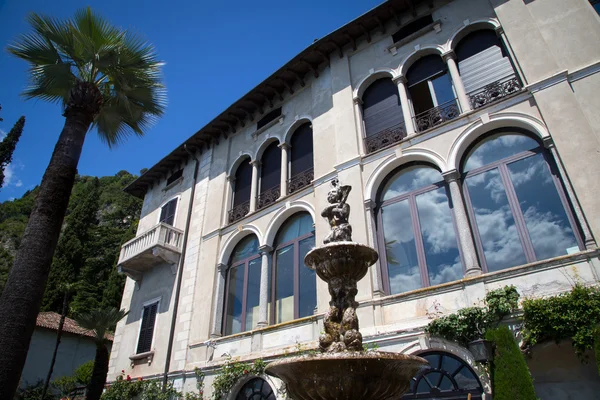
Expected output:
{"points": [[338, 213]]}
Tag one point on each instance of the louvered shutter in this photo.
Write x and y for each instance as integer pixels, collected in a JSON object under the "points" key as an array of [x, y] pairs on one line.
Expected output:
{"points": [[167, 213], [381, 107], [302, 150], [147, 329], [243, 183], [484, 68]]}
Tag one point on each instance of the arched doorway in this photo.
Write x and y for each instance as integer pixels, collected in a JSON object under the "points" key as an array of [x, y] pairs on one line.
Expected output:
{"points": [[447, 377], [256, 389]]}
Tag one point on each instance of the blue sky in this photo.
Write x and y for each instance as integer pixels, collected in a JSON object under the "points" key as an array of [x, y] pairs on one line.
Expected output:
{"points": [[214, 53]]}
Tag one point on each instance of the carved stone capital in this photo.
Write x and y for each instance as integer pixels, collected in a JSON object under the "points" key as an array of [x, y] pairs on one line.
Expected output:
{"points": [[265, 250], [450, 176], [231, 178], [499, 31], [221, 267], [284, 146], [369, 205], [357, 100], [255, 163], [451, 55], [400, 79], [548, 142]]}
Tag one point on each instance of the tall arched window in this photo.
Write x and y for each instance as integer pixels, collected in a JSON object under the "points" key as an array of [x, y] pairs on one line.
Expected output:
{"points": [[242, 189], [517, 206], [446, 377], [485, 68], [301, 163], [270, 176], [382, 115], [294, 284], [431, 92], [418, 244], [242, 290]]}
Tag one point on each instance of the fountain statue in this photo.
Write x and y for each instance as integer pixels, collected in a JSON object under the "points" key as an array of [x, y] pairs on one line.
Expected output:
{"points": [[343, 370]]}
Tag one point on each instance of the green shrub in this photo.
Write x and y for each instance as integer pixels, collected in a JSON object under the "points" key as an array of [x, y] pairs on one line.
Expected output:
{"points": [[123, 389], [511, 379], [83, 373], [65, 384]]}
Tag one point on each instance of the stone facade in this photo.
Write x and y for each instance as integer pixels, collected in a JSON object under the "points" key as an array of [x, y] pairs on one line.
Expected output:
{"points": [[553, 48]]}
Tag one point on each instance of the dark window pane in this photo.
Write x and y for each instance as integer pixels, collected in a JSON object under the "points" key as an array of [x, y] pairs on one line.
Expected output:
{"points": [[284, 285], [270, 168], [401, 253], [451, 365], [297, 225], [167, 213], [412, 27], [433, 359], [246, 248], [597, 8], [253, 293], [270, 116], [425, 68], [465, 379], [497, 229], [439, 238], [497, 147], [308, 280], [423, 386], [409, 179], [302, 149], [420, 95], [446, 384], [233, 316], [434, 378], [545, 216], [176, 175], [442, 87], [243, 183]]}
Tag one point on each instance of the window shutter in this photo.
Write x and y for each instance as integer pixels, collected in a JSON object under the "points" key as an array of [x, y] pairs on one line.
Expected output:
{"points": [[147, 329], [302, 149], [243, 183], [381, 107], [167, 213], [271, 168]]}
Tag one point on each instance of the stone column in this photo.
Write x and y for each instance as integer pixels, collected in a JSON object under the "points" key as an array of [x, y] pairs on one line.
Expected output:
{"points": [[588, 239], [284, 169], [511, 53], [219, 300], [372, 233], [263, 309], [254, 188], [465, 236], [405, 104], [463, 98], [358, 116]]}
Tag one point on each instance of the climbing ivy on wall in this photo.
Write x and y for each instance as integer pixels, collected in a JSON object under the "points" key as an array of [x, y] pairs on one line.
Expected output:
{"points": [[231, 372]]}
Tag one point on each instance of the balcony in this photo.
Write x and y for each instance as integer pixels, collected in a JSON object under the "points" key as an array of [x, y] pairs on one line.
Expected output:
{"points": [[238, 212], [385, 138], [495, 91], [161, 244], [436, 116], [267, 197], [301, 180]]}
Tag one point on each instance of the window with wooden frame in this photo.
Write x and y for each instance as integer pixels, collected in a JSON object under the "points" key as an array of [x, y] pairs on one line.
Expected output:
{"points": [[242, 289], [301, 160], [294, 285], [518, 209], [416, 230], [167, 212], [147, 327]]}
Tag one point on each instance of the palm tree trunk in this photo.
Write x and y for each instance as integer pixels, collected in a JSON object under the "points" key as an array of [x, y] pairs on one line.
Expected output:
{"points": [[22, 296], [58, 336], [96, 385]]}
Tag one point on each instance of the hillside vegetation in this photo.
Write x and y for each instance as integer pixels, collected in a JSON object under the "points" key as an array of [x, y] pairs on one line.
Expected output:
{"points": [[100, 217]]}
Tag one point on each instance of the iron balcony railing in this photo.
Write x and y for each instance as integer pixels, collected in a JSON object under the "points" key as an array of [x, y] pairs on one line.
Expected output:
{"points": [[385, 138], [301, 180], [495, 91], [267, 197], [238, 212], [160, 235], [437, 115]]}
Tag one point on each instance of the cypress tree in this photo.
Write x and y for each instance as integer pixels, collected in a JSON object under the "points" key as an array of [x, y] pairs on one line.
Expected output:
{"points": [[8, 145]]}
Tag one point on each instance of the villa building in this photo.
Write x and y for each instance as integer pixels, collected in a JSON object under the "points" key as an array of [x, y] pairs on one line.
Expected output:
{"points": [[469, 131]]}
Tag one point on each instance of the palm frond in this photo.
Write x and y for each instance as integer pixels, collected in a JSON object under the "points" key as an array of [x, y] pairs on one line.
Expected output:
{"points": [[100, 320]]}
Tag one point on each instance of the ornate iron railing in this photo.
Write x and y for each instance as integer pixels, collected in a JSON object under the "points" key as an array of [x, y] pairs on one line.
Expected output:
{"points": [[239, 211], [267, 197], [161, 234], [301, 180], [436, 116], [495, 91], [385, 138]]}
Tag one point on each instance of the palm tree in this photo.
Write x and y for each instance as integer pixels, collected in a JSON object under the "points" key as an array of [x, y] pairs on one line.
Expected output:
{"points": [[104, 78], [100, 321]]}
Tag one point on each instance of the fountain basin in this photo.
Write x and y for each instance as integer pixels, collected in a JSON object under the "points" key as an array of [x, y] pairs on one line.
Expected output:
{"points": [[349, 375], [341, 259]]}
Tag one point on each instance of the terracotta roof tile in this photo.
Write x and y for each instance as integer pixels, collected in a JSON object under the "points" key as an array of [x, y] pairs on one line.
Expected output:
{"points": [[50, 320]]}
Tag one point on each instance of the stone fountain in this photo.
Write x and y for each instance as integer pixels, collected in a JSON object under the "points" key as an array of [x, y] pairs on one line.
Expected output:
{"points": [[343, 370]]}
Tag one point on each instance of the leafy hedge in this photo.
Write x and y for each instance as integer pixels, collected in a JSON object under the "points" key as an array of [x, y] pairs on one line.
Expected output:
{"points": [[511, 379], [231, 372]]}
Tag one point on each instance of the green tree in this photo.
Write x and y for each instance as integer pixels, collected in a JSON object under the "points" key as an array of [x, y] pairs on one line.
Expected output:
{"points": [[8, 146], [100, 321], [511, 379], [104, 77]]}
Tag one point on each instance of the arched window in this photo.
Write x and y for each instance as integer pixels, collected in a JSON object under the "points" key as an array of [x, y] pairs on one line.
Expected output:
{"points": [[256, 389], [519, 212], [242, 290], [270, 176], [242, 190], [447, 377], [431, 92], [382, 115], [294, 284], [485, 68], [418, 244], [301, 163]]}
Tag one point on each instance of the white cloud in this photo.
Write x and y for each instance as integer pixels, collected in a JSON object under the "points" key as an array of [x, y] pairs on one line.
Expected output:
{"points": [[2, 134], [19, 183], [10, 174]]}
